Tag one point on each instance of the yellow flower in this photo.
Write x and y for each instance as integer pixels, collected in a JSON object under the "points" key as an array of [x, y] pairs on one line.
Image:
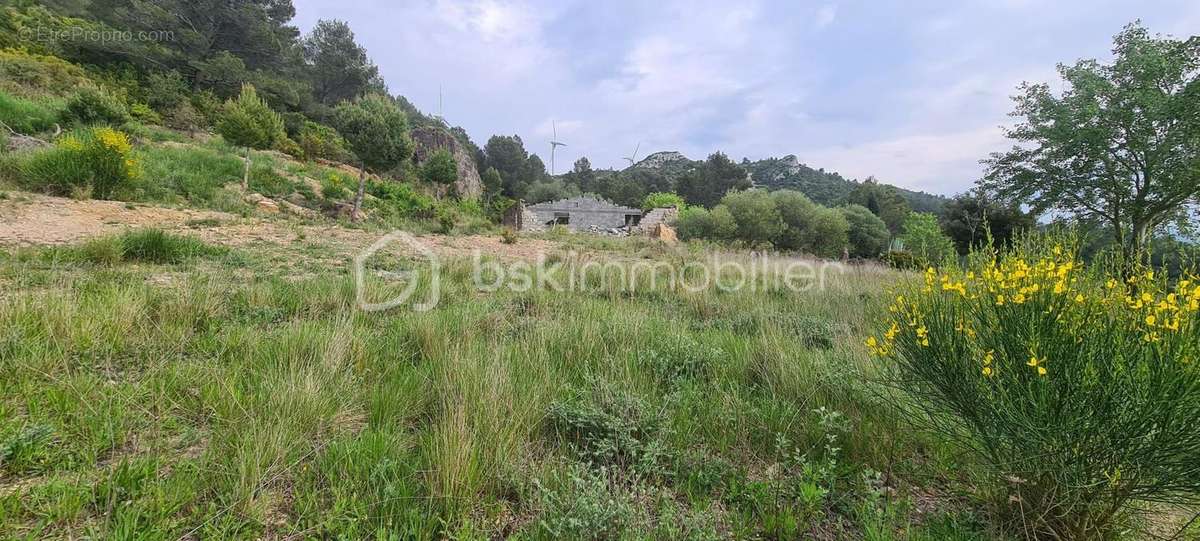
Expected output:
{"points": [[1151, 320], [987, 371], [1033, 361], [892, 332], [872, 343], [1079, 298], [1041, 371], [999, 300], [989, 357], [1019, 299]]}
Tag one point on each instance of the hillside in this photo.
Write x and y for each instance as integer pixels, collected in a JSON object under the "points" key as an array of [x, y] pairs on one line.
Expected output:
{"points": [[824, 187]]}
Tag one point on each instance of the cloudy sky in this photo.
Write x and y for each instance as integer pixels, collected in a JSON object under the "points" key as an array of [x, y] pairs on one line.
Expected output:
{"points": [[912, 92]]}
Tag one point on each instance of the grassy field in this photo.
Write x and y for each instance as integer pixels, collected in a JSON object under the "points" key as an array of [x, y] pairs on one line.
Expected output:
{"points": [[208, 393]]}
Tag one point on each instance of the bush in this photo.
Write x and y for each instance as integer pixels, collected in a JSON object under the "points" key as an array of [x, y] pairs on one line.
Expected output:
{"points": [[25, 73], [1076, 390], [92, 106], [607, 426], [98, 160], [399, 200], [924, 238], [903, 260], [165, 90], [440, 168], [868, 234], [509, 236], [318, 141], [264, 179], [658, 200], [26, 116], [757, 218], [809, 227]]}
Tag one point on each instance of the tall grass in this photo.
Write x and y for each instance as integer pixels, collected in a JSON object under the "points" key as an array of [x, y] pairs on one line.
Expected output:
{"points": [[29, 116], [231, 404]]}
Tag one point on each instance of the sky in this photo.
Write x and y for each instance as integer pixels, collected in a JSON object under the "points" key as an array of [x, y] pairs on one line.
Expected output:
{"points": [[912, 92]]}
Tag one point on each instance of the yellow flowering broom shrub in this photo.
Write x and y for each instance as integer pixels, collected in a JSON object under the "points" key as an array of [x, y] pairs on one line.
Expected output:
{"points": [[98, 160], [1080, 390]]}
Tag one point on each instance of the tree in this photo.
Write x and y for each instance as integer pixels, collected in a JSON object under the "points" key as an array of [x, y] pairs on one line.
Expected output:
{"points": [[338, 67], [550, 189], [1120, 144], [583, 175], [882, 200], [492, 183], [440, 168], [924, 239], [758, 220], [710, 181], [506, 154], [377, 131], [827, 234], [868, 234], [249, 123], [796, 211], [970, 218], [695, 223]]}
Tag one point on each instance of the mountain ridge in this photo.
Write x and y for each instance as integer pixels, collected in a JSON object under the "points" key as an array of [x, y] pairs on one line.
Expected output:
{"points": [[789, 173]]}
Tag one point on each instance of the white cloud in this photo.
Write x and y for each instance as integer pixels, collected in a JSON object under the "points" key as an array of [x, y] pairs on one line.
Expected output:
{"points": [[825, 16], [935, 162]]}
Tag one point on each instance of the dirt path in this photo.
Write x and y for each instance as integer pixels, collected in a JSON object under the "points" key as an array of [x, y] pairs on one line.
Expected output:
{"points": [[37, 220]]}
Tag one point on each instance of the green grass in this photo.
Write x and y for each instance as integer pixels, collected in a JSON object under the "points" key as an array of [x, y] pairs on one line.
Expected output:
{"points": [[28, 116], [138, 245], [237, 401]]}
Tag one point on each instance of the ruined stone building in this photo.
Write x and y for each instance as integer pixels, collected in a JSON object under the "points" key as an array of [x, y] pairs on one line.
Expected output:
{"points": [[584, 213]]}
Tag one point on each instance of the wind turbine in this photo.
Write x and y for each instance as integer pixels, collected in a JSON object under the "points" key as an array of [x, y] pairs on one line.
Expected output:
{"points": [[633, 159], [554, 144]]}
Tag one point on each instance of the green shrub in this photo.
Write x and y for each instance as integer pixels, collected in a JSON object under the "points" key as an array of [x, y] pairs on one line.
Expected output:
{"points": [[264, 179], [756, 216], [26, 116], [868, 235], [587, 504], [318, 141], [509, 235], [399, 200], [659, 200], [440, 168], [607, 426], [1078, 392], [923, 237], [92, 106], [165, 90], [681, 360], [700, 223], [27, 74], [904, 260], [335, 187], [98, 160], [143, 113]]}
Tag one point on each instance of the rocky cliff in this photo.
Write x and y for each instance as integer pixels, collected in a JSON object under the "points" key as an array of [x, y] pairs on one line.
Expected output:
{"points": [[428, 139]]}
